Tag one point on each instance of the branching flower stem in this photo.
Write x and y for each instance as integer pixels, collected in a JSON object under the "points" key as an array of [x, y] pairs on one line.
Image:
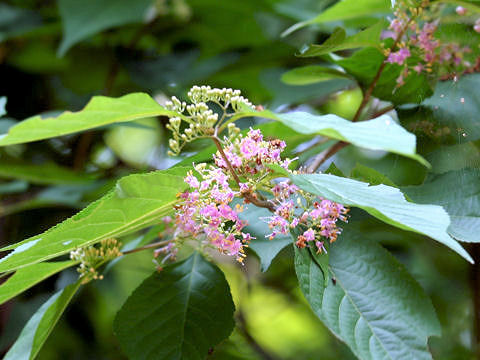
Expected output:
{"points": [[325, 155], [149, 246]]}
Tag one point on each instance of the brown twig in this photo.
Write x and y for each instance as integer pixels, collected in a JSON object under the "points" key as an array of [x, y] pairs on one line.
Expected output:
{"points": [[249, 196], [149, 246], [324, 156]]}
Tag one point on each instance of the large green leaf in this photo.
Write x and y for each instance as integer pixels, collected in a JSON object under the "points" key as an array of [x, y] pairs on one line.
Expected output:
{"points": [[41, 324], [339, 41], [25, 278], [372, 304], [456, 104], [179, 313], [82, 19], [100, 111], [345, 10], [257, 226], [136, 202], [381, 133], [459, 193], [385, 203]]}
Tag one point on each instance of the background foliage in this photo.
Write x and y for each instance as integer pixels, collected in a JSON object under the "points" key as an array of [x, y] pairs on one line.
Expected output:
{"points": [[56, 55]]}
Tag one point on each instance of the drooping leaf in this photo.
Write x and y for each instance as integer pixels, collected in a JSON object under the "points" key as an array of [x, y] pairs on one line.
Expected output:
{"points": [[257, 226], [41, 324], [100, 111], [13, 187], [136, 202], [459, 193], [339, 41], [456, 104], [311, 74], [3, 103], [83, 19], [381, 133], [385, 203], [15, 21], [178, 313], [27, 277], [345, 10], [372, 303]]}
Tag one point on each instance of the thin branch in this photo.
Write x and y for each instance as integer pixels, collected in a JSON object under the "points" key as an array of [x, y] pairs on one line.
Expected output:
{"points": [[324, 155], [249, 196], [383, 111], [149, 246]]}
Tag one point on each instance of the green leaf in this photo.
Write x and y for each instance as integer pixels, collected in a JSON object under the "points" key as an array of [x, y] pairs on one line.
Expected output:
{"points": [[136, 202], [385, 203], [459, 193], [373, 305], [364, 64], [381, 133], [345, 10], [257, 226], [339, 41], [3, 103], [27, 277], [13, 187], [41, 324], [99, 111], [311, 74], [179, 313], [454, 103], [371, 176], [83, 19], [44, 174]]}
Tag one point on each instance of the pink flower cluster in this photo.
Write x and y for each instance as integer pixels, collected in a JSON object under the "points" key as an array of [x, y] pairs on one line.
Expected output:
{"points": [[205, 210], [248, 155], [321, 221], [418, 42]]}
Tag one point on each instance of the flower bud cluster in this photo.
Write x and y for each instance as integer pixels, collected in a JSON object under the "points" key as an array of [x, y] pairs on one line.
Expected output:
{"points": [[415, 34], [198, 115], [92, 257]]}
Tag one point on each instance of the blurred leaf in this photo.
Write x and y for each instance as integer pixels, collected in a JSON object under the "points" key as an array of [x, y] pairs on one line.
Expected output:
{"points": [[345, 10], [311, 74], [455, 157], [16, 21], [456, 103], [136, 202], [339, 40], [99, 111], [192, 311], [3, 103], [29, 276], [373, 305], [39, 327], [138, 147], [86, 18], [48, 173], [364, 64], [13, 187], [459, 193], [371, 176], [385, 203]]}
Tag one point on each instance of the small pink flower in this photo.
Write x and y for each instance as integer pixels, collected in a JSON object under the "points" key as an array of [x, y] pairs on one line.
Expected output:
{"points": [[460, 10], [192, 181], [309, 235]]}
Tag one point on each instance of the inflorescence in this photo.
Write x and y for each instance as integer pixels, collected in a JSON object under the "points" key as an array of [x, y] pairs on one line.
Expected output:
{"points": [[92, 257], [414, 32], [242, 173]]}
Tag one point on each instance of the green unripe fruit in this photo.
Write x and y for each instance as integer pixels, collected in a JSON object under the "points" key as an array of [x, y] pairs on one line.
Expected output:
{"points": [[344, 103]]}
